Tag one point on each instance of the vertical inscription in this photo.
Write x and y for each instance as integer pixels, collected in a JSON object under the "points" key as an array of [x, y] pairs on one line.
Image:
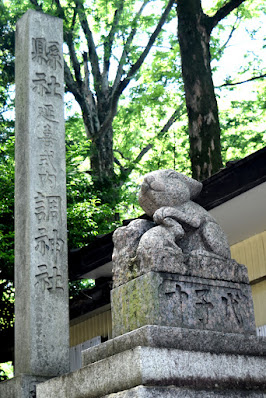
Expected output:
{"points": [[46, 86], [47, 112], [48, 136], [41, 233], [46, 53], [50, 282], [48, 208], [48, 212]]}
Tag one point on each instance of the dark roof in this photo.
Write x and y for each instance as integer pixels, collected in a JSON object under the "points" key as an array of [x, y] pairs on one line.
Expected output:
{"points": [[238, 177], [88, 258], [88, 300]]}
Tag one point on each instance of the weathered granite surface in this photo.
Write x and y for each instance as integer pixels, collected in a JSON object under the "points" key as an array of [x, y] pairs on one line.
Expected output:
{"points": [[198, 265], [41, 276], [183, 237], [124, 253], [178, 338], [190, 302], [174, 392], [177, 270], [23, 386], [160, 367], [167, 196]]}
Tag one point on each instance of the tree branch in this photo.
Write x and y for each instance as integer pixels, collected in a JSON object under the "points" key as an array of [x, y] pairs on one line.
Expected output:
{"points": [[223, 12], [126, 47], [91, 46], [80, 89], [243, 81], [74, 18], [234, 27], [121, 154], [37, 6], [122, 169], [135, 67], [70, 82], [142, 153], [94, 120], [73, 56], [110, 39], [178, 112], [60, 9], [68, 37], [86, 104], [86, 82]]}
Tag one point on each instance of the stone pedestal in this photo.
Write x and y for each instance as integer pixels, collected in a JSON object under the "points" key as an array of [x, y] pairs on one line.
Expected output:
{"points": [[188, 333], [23, 386], [175, 392], [157, 361], [205, 293], [160, 298]]}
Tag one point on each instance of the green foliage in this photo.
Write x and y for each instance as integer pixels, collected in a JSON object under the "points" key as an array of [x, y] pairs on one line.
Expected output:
{"points": [[6, 371], [6, 231], [7, 298], [86, 215], [76, 286], [242, 130], [6, 56], [7, 208]]}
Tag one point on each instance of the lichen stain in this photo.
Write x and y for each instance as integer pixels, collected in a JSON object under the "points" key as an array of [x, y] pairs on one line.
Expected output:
{"points": [[209, 118], [198, 169], [204, 40]]}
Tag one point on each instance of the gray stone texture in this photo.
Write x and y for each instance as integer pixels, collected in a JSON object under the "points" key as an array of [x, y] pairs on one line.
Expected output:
{"points": [[174, 300], [178, 338], [160, 367], [177, 269], [125, 266], [41, 277], [200, 265], [183, 237], [23, 386], [175, 392], [166, 196]]}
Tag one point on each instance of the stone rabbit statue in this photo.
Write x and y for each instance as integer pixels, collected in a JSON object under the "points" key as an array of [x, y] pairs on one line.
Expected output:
{"points": [[167, 197], [181, 230]]}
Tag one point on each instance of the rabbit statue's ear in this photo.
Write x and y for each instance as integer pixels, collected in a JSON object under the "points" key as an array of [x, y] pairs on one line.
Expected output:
{"points": [[194, 186]]}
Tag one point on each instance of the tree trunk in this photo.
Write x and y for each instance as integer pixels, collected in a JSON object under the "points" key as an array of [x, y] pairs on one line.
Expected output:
{"points": [[94, 114], [204, 128], [102, 159]]}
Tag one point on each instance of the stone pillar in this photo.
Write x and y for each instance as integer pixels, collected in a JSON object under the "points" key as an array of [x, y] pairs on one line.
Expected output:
{"points": [[41, 276]]}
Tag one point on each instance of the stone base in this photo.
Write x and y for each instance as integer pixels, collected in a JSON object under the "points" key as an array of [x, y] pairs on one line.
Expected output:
{"points": [[173, 392], [167, 362], [167, 299], [23, 386]]}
